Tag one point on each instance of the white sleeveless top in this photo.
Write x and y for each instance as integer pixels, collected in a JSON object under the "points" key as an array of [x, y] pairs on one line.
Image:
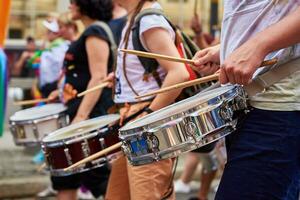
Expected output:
{"points": [[134, 69]]}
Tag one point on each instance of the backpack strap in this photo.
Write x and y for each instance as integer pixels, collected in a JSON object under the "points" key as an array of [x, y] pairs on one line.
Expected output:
{"points": [[150, 65], [113, 46]]}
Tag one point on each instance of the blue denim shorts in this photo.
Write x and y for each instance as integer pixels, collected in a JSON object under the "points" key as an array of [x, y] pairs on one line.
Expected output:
{"points": [[263, 158]]}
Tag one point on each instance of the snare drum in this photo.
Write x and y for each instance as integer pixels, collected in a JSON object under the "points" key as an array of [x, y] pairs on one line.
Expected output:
{"points": [[29, 126], [183, 126], [73, 143]]}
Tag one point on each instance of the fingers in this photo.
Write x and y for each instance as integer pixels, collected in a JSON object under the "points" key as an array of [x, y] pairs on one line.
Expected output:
{"points": [[201, 58], [235, 74], [223, 77]]}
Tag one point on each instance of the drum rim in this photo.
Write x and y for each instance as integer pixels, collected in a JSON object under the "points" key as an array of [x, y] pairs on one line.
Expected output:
{"points": [[125, 132], [84, 135], [38, 119]]}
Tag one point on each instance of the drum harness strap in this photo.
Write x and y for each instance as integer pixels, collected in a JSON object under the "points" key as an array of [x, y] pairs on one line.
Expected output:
{"points": [[260, 83]]}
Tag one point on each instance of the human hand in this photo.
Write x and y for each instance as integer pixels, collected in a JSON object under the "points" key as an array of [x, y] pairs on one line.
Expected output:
{"points": [[78, 118], [110, 79], [207, 61], [129, 110], [53, 95], [25, 55], [239, 67], [196, 25]]}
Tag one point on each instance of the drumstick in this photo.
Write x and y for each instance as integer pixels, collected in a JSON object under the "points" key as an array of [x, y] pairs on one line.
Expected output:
{"points": [[182, 85], [41, 167], [181, 60], [98, 87], [195, 7], [197, 81], [29, 102], [158, 56], [94, 156]]}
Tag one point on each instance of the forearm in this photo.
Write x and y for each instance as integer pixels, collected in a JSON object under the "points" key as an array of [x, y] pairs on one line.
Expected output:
{"points": [[200, 41], [164, 99], [280, 35], [18, 67], [89, 100]]}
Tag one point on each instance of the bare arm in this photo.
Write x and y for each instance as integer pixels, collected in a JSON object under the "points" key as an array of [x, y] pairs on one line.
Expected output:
{"points": [[158, 40], [16, 71], [98, 54], [240, 66]]}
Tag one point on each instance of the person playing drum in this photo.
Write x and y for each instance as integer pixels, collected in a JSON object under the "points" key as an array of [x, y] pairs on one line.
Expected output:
{"points": [[152, 181], [263, 156], [87, 63]]}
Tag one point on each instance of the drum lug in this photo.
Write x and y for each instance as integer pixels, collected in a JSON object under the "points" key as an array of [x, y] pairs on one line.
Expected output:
{"points": [[126, 148], [35, 130], [68, 156], [191, 130], [225, 112], [153, 144], [85, 148], [47, 157], [102, 143]]}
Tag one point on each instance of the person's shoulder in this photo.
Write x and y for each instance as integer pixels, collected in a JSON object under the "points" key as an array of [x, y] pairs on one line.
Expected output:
{"points": [[154, 21], [94, 30]]}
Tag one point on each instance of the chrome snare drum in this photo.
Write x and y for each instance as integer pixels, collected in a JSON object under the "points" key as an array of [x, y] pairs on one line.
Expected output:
{"points": [[183, 126], [73, 143], [29, 126]]}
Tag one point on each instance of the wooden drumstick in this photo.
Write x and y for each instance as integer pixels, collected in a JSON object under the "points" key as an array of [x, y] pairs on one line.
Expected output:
{"points": [[41, 167], [30, 102], [182, 85], [196, 81], [94, 156], [181, 60], [98, 87], [158, 56], [195, 7]]}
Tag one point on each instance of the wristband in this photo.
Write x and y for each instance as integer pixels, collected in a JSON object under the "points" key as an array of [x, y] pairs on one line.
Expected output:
{"points": [[148, 110]]}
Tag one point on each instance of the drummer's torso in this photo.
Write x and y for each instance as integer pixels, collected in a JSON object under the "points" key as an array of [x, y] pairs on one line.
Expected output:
{"points": [[244, 19], [134, 69], [77, 74]]}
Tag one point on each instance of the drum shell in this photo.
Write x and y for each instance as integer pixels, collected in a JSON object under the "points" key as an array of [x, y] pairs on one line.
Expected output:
{"points": [[196, 127], [64, 153], [31, 132]]}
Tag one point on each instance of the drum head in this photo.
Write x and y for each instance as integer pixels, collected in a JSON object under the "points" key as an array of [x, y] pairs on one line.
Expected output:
{"points": [[38, 112], [177, 108], [81, 128]]}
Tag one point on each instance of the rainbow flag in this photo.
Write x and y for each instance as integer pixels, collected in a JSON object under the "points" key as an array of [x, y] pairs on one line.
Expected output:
{"points": [[3, 89], [4, 15]]}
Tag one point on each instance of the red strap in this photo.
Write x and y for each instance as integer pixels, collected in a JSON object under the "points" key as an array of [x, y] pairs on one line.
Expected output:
{"points": [[180, 49]]}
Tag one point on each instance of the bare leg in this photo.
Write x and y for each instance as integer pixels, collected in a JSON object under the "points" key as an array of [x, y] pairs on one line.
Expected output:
{"points": [[67, 195], [206, 180], [190, 166]]}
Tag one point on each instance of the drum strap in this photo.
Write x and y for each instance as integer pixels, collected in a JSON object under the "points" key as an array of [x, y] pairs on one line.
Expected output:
{"points": [[260, 83]]}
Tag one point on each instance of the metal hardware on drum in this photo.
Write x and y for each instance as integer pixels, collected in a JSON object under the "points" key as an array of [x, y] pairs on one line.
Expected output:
{"points": [[68, 156], [183, 126], [73, 143], [29, 126]]}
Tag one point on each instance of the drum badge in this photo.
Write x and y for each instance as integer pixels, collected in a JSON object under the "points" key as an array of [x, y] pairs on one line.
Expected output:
{"points": [[190, 128]]}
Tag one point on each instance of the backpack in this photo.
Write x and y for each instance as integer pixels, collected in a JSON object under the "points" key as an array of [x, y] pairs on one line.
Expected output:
{"points": [[185, 46]]}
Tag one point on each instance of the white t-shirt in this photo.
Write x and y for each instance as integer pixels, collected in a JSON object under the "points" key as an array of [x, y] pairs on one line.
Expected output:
{"points": [[51, 63], [241, 21], [134, 69]]}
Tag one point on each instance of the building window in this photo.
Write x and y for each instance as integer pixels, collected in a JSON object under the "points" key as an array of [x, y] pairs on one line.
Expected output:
{"points": [[26, 17]]}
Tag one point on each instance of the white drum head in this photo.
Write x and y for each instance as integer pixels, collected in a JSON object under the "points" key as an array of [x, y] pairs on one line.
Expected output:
{"points": [[38, 112], [81, 128], [176, 108]]}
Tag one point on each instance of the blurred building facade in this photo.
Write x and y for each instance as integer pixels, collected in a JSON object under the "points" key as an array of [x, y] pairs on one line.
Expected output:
{"points": [[27, 15]]}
